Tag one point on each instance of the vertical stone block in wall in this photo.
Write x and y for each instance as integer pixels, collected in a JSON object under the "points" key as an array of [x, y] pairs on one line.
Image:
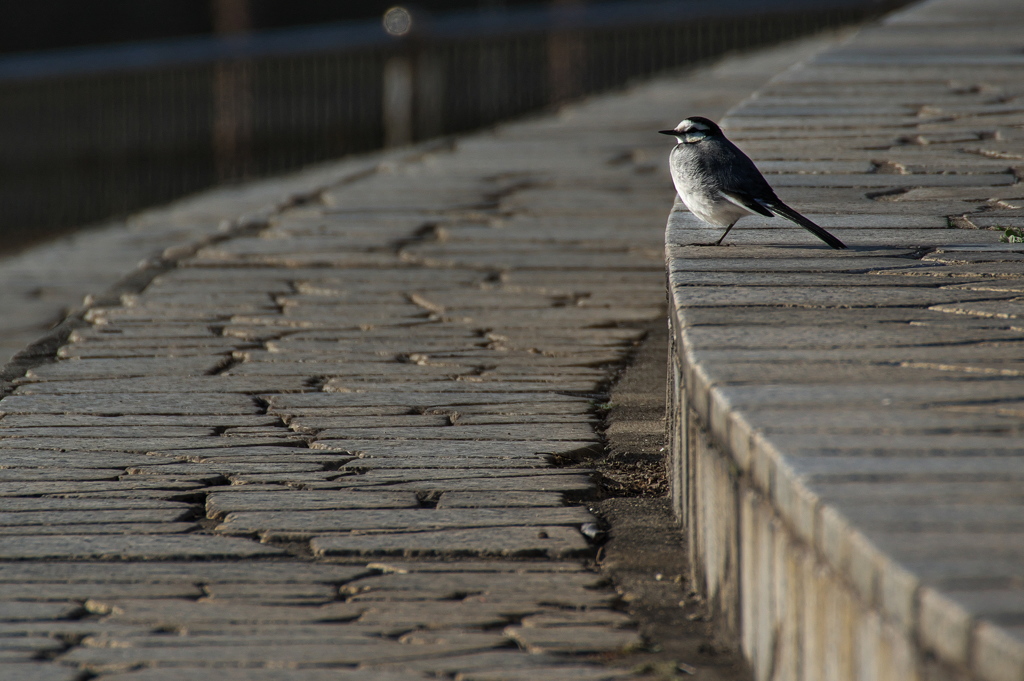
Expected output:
{"points": [[797, 611], [812, 642], [715, 501], [788, 598], [677, 432]]}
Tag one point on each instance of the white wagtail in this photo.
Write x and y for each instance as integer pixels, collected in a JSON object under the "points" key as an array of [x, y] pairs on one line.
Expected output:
{"points": [[720, 184]]}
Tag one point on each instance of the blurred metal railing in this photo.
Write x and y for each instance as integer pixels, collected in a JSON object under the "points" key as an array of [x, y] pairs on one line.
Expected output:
{"points": [[88, 134]]}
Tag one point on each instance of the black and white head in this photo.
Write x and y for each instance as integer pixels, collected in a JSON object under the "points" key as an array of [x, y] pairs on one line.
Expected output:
{"points": [[693, 130]]}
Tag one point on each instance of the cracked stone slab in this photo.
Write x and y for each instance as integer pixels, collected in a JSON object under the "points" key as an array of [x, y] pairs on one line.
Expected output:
{"points": [[225, 468], [499, 499], [17, 611], [219, 504], [126, 528], [57, 504], [39, 671], [462, 665], [122, 659], [308, 521], [128, 547], [102, 431], [484, 480], [552, 542], [182, 613], [575, 640], [104, 488], [252, 674], [397, 617], [135, 445], [366, 463], [179, 572], [68, 517], [420, 448], [576, 433], [561, 672], [251, 449], [163, 403], [275, 594], [163, 384], [26, 591], [120, 368], [577, 590], [130, 420]]}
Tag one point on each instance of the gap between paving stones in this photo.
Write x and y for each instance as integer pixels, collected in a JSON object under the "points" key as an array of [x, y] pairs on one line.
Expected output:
{"points": [[461, 333]]}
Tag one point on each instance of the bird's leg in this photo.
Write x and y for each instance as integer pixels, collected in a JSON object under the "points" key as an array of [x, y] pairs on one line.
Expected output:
{"points": [[719, 242]]}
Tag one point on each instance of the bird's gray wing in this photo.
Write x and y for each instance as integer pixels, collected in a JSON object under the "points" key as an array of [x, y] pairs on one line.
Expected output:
{"points": [[743, 185], [744, 200]]}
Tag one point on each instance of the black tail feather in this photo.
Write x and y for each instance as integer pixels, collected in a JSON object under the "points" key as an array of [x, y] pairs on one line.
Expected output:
{"points": [[784, 211]]}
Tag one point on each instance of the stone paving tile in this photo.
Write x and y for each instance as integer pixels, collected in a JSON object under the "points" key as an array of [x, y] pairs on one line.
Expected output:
{"points": [[14, 611], [116, 405], [8, 475], [219, 504], [496, 662], [120, 368], [103, 489], [481, 395], [577, 590], [498, 499], [56, 504], [82, 591], [156, 420], [184, 613], [552, 542], [484, 479], [253, 450], [577, 433], [192, 384], [129, 547], [367, 463], [125, 528], [39, 671], [123, 659], [150, 515], [308, 521], [552, 673], [256, 674], [113, 444], [574, 640], [106, 432], [177, 572]]}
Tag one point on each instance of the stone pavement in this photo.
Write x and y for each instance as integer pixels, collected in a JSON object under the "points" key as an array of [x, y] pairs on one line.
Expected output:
{"points": [[849, 454], [44, 284], [345, 435]]}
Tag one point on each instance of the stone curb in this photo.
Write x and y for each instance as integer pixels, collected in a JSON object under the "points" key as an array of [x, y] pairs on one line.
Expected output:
{"points": [[846, 439]]}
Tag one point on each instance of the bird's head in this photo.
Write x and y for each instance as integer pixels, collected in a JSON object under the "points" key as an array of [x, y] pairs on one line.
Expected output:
{"points": [[694, 129]]}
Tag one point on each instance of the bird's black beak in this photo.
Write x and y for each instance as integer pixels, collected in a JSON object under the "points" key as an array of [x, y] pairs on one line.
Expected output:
{"points": [[669, 132]]}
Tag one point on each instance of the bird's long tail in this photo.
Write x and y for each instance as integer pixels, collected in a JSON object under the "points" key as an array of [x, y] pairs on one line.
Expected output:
{"points": [[784, 211]]}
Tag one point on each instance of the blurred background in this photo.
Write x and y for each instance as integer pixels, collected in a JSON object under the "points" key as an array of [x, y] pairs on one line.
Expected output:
{"points": [[108, 106]]}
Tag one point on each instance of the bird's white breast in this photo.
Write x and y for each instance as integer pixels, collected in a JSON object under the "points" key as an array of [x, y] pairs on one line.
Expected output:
{"points": [[699, 194]]}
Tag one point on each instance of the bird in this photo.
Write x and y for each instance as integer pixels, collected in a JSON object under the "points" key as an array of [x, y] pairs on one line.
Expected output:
{"points": [[720, 184]]}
